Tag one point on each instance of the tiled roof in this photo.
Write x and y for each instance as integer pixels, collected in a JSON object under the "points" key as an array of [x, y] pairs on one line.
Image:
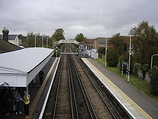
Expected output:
{"points": [[89, 40], [7, 47], [10, 37]]}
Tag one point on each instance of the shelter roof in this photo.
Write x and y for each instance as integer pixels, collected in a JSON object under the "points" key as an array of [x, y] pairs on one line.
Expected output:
{"points": [[22, 61]]}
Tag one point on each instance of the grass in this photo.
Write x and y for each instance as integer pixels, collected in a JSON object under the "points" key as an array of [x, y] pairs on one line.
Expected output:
{"points": [[101, 61], [140, 84]]}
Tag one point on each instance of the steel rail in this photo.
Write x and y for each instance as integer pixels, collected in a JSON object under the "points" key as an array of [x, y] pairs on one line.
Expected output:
{"points": [[109, 107], [74, 108], [72, 95], [84, 93], [57, 93]]}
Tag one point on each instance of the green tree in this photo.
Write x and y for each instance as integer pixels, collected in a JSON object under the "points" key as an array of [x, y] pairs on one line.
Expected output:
{"points": [[116, 49], [144, 68], [101, 50], [38, 40], [30, 39], [143, 42], [118, 43], [153, 74], [80, 37], [58, 34], [112, 57], [136, 68]]}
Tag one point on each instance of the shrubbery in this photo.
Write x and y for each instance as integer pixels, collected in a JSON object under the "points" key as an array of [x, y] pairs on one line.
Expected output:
{"points": [[153, 74]]}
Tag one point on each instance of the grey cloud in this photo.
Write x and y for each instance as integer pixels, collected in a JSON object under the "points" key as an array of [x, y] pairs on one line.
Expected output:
{"points": [[93, 18]]}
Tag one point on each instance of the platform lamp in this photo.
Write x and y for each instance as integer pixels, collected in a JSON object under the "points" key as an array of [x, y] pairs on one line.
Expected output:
{"points": [[42, 40], [129, 59], [35, 40], [47, 40], [106, 49], [56, 49]]}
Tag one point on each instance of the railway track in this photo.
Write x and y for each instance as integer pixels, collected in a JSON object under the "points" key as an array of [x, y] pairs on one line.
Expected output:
{"points": [[76, 94], [83, 105]]}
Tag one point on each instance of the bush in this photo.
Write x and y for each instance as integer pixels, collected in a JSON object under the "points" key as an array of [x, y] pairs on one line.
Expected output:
{"points": [[153, 74], [144, 69], [101, 50], [113, 58], [136, 68], [99, 55]]}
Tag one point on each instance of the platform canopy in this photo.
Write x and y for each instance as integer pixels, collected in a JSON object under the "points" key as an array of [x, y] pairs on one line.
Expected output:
{"points": [[18, 68]]}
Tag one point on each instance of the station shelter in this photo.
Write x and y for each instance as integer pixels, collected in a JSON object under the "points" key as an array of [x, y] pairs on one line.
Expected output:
{"points": [[18, 68]]}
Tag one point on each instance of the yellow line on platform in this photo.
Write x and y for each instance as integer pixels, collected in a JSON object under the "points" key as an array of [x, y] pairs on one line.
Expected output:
{"points": [[40, 91], [102, 76]]}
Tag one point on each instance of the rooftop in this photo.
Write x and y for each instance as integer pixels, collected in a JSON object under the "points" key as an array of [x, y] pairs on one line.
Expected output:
{"points": [[18, 68], [7, 47]]}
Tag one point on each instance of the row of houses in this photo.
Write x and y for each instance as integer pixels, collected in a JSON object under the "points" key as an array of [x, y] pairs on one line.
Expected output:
{"points": [[9, 42], [13, 38], [90, 46], [93, 43]]}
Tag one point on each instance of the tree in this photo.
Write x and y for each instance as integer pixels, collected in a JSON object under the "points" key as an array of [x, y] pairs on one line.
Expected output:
{"points": [[145, 68], [153, 74], [136, 68], [115, 50], [112, 57], [58, 34], [80, 37], [143, 42], [118, 43], [38, 40], [101, 50], [30, 39]]}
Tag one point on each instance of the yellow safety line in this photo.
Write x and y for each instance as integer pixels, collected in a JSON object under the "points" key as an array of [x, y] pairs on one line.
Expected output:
{"points": [[40, 91], [120, 91]]}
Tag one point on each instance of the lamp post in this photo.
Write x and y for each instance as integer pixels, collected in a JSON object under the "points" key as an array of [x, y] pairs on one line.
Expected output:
{"points": [[35, 40], [106, 53], [56, 53], [129, 59], [47, 40], [42, 40], [152, 60]]}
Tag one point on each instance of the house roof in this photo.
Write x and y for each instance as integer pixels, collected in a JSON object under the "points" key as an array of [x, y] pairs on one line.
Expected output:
{"points": [[7, 47], [89, 40], [83, 43], [101, 40], [10, 37]]}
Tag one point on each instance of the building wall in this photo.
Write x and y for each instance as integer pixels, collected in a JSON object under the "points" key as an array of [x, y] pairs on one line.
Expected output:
{"points": [[100, 42], [15, 41]]}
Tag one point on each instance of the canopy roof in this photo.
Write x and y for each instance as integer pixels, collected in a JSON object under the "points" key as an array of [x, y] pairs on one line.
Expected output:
{"points": [[23, 64]]}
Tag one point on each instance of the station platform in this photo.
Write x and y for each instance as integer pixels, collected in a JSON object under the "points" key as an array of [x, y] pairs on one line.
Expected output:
{"points": [[35, 91], [136, 102], [146, 107]]}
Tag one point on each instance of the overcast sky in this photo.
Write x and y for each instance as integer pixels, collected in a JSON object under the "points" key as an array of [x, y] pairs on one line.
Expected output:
{"points": [[93, 18]]}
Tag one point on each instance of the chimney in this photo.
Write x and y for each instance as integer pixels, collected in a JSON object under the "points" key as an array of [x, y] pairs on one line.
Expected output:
{"points": [[5, 34]]}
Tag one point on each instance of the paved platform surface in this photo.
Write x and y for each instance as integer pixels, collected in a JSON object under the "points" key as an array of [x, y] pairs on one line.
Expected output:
{"points": [[142, 100]]}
